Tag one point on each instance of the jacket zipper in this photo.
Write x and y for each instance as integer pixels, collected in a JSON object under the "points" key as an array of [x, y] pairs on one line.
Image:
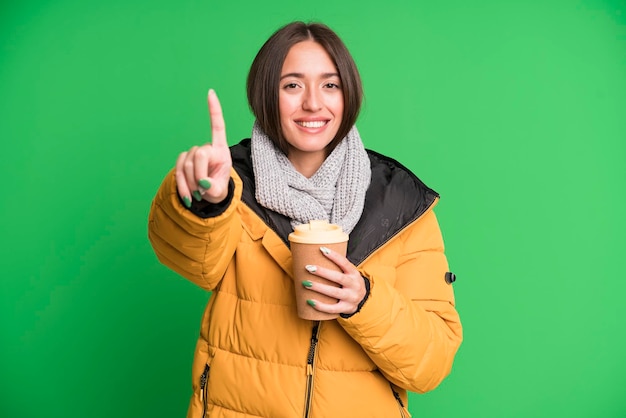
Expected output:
{"points": [[203, 389], [310, 369], [400, 403]]}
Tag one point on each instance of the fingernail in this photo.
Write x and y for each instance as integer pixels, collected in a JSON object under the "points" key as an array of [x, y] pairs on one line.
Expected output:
{"points": [[325, 250], [204, 183], [307, 283], [310, 268], [197, 195], [211, 91], [310, 302], [187, 201]]}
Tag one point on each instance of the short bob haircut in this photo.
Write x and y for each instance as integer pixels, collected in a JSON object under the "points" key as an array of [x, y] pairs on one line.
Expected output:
{"points": [[264, 77]]}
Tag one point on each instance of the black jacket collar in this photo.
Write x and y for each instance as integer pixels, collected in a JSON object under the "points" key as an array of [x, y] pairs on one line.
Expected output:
{"points": [[394, 199]]}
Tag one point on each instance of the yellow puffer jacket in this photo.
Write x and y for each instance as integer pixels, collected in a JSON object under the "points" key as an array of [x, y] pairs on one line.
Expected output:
{"points": [[256, 358]]}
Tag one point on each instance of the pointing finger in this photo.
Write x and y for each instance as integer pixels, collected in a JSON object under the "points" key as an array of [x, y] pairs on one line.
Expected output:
{"points": [[218, 127]]}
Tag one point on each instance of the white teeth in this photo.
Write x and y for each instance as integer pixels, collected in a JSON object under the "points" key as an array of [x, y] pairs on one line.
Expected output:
{"points": [[313, 124]]}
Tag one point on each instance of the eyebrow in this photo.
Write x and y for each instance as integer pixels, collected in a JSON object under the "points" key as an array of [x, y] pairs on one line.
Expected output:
{"points": [[300, 75]]}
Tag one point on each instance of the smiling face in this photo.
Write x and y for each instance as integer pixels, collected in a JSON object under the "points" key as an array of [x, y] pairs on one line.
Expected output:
{"points": [[310, 102]]}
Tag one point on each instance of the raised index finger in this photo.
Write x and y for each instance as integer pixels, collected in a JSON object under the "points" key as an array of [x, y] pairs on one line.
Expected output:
{"points": [[218, 127]]}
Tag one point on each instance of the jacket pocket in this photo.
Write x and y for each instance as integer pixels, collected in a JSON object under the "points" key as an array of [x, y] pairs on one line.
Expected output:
{"points": [[204, 394]]}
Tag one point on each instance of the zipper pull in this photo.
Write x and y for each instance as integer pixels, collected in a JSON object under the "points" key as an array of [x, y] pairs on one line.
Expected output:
{"points": [[203, 379], [311, 354]]}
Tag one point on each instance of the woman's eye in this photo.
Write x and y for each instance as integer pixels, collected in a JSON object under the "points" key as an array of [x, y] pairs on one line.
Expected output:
{"points": [[331, 86], [291, 86]]}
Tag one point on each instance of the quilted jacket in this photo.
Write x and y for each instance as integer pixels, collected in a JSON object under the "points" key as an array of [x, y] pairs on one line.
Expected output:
{"points": [[256, 358]]}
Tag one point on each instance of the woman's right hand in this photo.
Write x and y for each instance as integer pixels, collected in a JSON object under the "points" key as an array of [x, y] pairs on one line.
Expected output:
{"points": [[204, 172]]}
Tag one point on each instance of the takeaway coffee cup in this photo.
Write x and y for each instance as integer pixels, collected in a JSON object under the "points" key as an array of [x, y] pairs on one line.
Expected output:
{"points": [[305, 242]]}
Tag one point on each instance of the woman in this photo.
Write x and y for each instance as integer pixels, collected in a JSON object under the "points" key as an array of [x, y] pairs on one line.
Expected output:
{"points": [[221, 219]]}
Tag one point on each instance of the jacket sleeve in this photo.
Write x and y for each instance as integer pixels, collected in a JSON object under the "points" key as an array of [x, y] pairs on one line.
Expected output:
{"points": [[197, 248], [409, 326]]}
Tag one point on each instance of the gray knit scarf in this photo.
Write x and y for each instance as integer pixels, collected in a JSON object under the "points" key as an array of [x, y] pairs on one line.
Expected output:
{"points": [[336, 192]]}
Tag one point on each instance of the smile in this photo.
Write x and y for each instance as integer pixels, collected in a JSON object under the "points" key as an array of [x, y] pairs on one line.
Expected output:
{"points": [[312, 124]]}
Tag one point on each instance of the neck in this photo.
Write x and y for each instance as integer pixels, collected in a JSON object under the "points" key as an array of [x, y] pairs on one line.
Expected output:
{"points": [[306, 163]]}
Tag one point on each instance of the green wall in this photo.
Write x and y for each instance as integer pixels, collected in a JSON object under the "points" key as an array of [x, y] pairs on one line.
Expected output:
{"points": [[515, 111]]}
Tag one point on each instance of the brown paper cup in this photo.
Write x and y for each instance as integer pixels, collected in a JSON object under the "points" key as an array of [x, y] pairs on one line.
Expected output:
{"points": [[305, 242]]}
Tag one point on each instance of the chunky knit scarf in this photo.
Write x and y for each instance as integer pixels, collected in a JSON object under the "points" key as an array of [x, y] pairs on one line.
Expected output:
{"points": [[336, 192]]}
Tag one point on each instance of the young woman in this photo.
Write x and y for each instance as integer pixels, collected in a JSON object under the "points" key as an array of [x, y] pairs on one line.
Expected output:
{"points": [[221, 219]]}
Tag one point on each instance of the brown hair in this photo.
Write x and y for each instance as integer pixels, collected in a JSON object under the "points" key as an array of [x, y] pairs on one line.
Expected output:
{"points": [[264, 77]]}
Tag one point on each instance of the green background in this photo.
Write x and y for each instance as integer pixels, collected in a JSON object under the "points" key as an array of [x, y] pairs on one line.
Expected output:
{"points": [[515, 111]]}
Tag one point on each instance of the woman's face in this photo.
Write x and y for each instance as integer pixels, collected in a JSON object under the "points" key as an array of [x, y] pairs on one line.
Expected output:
{"points": [[310, 103]]}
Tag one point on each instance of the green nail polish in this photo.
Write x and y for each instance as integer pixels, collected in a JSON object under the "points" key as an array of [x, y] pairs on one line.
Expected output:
{"points": [[307, 283], [310, 302], [187, 201], [197, 195], [325, 250], [204, 183]]}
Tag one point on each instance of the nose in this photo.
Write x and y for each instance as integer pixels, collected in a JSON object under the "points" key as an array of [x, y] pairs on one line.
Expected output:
{"points": [[312, 100]]}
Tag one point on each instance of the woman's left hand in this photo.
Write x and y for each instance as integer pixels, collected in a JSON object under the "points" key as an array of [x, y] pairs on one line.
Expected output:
{"points": [[352, 285]]}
